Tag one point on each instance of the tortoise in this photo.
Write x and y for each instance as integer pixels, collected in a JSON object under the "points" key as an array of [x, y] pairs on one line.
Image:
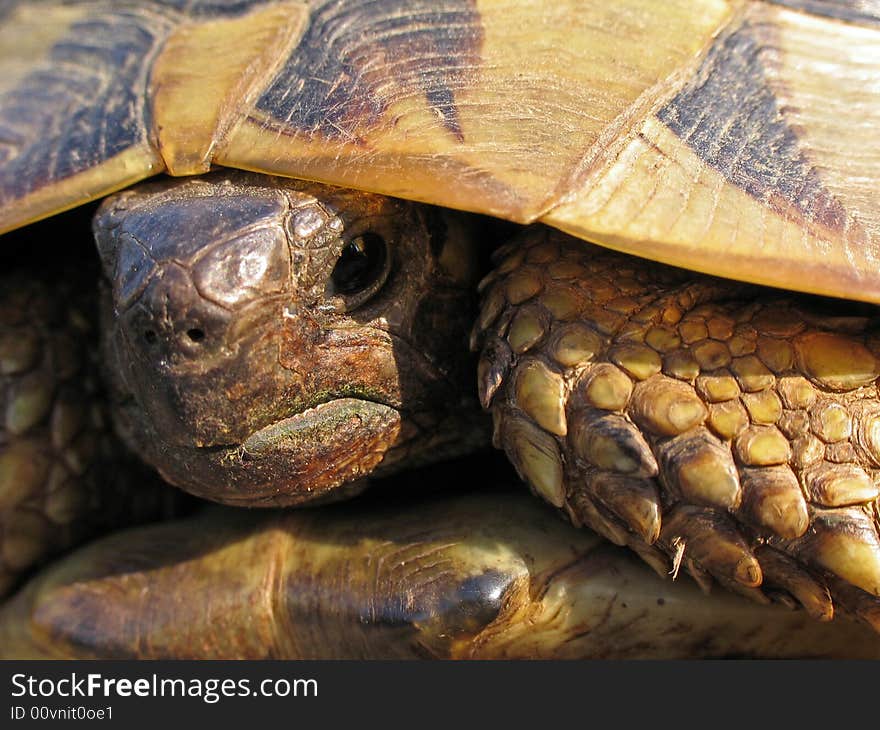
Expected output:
{"points": [[273, 341]]}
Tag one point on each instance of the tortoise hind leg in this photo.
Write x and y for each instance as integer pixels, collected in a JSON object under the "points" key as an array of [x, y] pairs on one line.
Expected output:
{"points": [[715, 427]]}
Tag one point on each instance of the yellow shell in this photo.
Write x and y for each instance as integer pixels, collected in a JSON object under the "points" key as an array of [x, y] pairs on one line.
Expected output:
{"points": [[734, 137]]}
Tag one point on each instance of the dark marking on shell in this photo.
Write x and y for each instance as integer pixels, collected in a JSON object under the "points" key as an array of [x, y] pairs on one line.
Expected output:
{"points": [[861, 12], [83, 106], [357, 57], [729, 115], [212, 8], [86, 100]]}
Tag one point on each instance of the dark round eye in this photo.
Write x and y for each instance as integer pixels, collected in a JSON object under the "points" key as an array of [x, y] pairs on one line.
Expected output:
{"points": [[361, 265]]}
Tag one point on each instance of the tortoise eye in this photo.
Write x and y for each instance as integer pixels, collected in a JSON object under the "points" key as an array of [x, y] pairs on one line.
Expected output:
{"points": [[361, 269]]}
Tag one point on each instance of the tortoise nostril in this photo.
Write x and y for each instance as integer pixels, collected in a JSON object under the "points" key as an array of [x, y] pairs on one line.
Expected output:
{"points": [[150, 336], [196, 334]]}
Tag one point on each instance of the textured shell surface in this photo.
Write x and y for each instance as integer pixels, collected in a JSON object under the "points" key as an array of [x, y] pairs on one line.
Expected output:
{"points": [[733, 137]]}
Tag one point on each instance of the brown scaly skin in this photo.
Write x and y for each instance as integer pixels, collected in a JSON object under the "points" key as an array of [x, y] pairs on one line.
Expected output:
{"points": [[248, 372], [714, 427], [63, 476], [489, 576]]}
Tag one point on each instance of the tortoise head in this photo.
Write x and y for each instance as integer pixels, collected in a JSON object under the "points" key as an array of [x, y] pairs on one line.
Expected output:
{"points": [[270, 341]]}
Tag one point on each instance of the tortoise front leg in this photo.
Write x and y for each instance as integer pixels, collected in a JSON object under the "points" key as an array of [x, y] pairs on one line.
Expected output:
{"points": [[481, 576], [725, 429], [63, 477]]}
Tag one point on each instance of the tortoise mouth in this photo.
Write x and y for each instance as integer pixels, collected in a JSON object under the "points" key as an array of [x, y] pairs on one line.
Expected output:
{"points": [[301, 458], [319, 422]]}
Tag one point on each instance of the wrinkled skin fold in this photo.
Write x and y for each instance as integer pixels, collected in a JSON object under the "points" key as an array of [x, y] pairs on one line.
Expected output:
{"points": [[478, 576]]}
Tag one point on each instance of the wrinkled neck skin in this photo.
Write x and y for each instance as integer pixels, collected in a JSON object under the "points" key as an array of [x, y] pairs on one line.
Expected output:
{"points": [[272, 342]]}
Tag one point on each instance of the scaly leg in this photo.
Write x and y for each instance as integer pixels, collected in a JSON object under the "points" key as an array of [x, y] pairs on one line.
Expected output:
{"points": [[729, 430]]}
